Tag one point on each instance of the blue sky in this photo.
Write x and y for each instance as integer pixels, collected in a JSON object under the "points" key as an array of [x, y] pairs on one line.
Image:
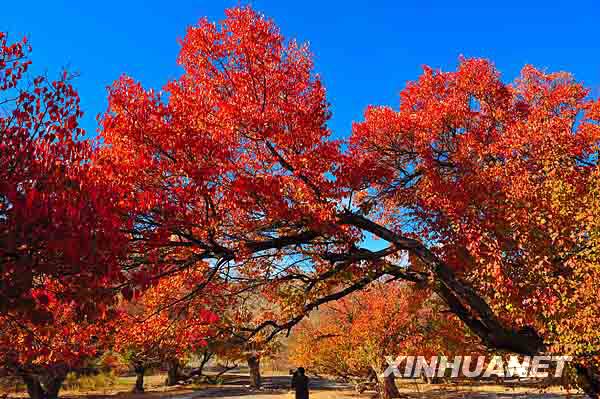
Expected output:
{"points": [[365, 52]]}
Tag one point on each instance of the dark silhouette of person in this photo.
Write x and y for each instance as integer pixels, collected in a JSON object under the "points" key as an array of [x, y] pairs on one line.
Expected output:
{"points": [[300, 383]]}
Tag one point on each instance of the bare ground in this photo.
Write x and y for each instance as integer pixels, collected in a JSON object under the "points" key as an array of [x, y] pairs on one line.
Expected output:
{"points": [[277, 387]]}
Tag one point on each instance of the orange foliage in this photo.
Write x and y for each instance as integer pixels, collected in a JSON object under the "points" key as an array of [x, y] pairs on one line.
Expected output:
{"points": [[352, 337]]}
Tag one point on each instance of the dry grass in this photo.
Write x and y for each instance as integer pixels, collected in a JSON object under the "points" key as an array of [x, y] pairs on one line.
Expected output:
{"points": [[156, 389], [121, 389], [416, 389]]}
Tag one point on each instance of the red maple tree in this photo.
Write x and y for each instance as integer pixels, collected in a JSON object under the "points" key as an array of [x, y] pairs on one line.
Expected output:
{"points": [[235, 161], [164, 326], [491, 188], [499, 179], [42, 355], [56, 220], [351, 338]]}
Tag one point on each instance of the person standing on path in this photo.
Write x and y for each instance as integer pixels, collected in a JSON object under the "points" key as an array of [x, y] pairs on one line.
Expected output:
{"points": [[300, 383]]}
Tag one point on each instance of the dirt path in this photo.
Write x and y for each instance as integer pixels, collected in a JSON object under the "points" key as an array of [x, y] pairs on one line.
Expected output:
{"points": [[277, 387], [236, 386], [274, 387]]}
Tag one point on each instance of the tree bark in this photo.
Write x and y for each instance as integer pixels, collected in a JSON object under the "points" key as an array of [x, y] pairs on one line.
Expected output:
{"points": [[34, 387], [389, 389], [140, 370], [199, 371], [173, 373], [471, 307], [48, 390], [206, 356], [589, 380], [462, 299], [254, 367], [386, 384]]}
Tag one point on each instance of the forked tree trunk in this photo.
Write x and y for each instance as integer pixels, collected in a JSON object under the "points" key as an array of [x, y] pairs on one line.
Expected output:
{"points": [[140, 370], [589, 380], [470, 306], [206, 356], [389, 389], [254, 367], [48, 390], [173, 374], [386, 384]]}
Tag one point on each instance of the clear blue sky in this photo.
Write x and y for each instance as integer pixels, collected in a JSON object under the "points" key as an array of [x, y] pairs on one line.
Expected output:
{"points": [[365, 52]]}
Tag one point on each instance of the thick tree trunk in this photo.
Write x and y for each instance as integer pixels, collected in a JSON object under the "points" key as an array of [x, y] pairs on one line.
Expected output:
{"points": [[471, 307], [389, 389], [140, 370], [462, 299], [173, 374], [206, 356], [525, 341], [34, 388], [254, 367], [386, 384], [48, 390], [589, 380]]}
